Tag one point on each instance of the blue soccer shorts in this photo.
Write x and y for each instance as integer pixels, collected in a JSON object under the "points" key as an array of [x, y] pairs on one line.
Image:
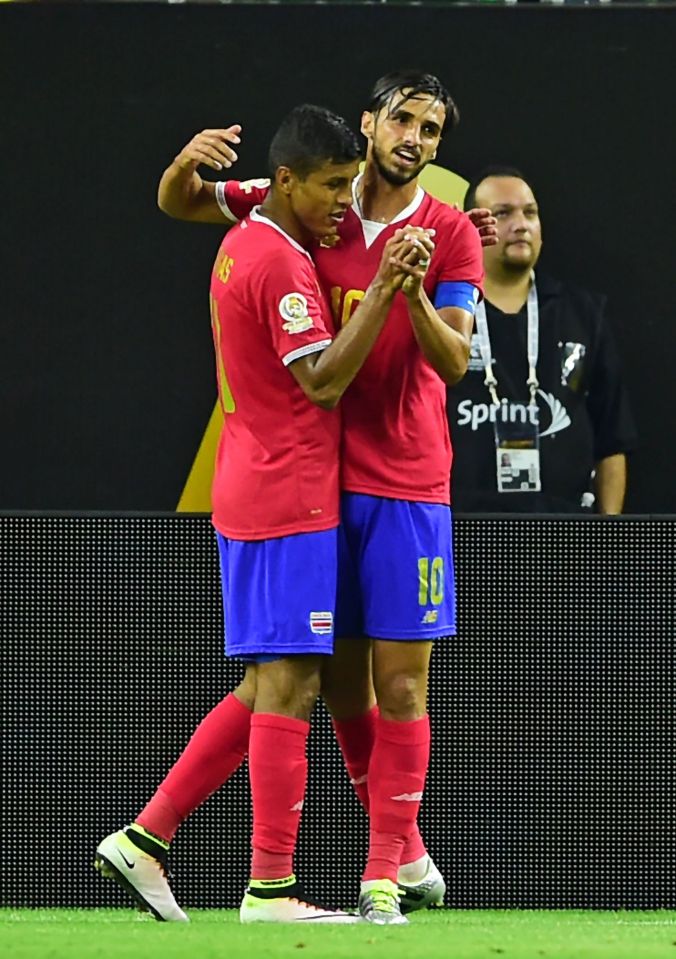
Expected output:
{"points": [[279, 595], [395, 569]]}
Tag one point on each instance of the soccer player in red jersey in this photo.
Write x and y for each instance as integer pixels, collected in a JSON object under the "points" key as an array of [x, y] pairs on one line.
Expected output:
{"points": [[396, 482], [276, 499]]}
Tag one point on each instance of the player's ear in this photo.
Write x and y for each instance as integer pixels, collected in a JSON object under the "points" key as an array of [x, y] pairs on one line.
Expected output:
{"points": [[284, 179], [367, 123]]}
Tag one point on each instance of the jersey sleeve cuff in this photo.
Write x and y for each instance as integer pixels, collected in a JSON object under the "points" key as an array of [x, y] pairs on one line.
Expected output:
{"points": [[222, 203], [305, 351]]}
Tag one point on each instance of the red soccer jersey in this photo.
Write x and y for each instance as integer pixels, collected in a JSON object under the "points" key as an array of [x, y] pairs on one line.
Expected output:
{"points": [[395, 432], [277, 466]]}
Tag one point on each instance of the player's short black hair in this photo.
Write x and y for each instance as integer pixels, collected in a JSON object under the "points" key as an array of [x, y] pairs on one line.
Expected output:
{"points": [[496, 170], [308, 137], [414, 82]]}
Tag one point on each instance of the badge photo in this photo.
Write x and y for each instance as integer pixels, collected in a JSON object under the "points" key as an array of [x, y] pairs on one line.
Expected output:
{"points": [[293, 310]]}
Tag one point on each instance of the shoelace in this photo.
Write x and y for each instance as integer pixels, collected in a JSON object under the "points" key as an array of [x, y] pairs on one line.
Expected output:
{"points": [[384, 901]]}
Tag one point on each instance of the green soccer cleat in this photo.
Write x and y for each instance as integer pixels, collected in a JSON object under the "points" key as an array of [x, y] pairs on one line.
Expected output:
{"points": [[288, 904], [428, 893], [379, 903], [143, 876]]}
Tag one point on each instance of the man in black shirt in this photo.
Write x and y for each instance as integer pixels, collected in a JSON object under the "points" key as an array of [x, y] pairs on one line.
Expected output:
{"points": [[540, 422]]}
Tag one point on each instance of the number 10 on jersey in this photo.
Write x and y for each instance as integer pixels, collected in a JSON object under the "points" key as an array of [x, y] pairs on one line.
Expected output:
{"points": [[430, 581]]}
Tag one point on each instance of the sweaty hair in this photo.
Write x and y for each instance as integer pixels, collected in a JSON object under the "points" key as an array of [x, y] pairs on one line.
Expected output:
{"points": [[310, 136], [470, 197], [414, 82]]}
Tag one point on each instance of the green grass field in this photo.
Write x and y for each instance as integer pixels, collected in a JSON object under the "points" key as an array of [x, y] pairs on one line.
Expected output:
{"points": [[216, 934]]}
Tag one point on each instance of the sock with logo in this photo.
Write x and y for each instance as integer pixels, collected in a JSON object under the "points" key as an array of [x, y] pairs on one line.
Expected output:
{"points": [[356, 737], [278, 774], [215, 750], [396, 781]]}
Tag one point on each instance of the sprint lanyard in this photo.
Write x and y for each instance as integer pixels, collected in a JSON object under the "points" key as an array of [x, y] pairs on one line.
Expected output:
{"points": [[533, 343], [517, 445]]}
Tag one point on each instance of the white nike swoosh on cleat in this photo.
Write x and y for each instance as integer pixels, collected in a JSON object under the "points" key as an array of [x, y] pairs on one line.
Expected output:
{"points": [[408, 797]]}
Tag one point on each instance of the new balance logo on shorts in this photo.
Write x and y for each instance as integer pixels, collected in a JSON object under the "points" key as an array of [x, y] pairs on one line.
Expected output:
{"points": [[321, 622]]}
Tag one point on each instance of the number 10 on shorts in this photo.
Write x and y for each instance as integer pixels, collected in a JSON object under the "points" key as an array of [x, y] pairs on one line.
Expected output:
{"points": [[430, 581]]}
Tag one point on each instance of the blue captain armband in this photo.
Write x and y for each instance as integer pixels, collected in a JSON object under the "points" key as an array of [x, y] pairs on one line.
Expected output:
{"points": [[464, 295]]}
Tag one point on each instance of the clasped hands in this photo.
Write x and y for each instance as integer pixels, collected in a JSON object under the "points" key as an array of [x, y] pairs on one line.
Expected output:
{"points": [[406, 259]]}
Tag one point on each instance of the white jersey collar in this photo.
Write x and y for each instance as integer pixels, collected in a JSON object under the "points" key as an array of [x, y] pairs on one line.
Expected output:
{"points": [[405, 213], [259, 217]]}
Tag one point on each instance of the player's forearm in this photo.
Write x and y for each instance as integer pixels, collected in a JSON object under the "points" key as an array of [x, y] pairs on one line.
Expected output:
{"points": [[184, 195], [338, 365], [611, 484], [445, 349]]}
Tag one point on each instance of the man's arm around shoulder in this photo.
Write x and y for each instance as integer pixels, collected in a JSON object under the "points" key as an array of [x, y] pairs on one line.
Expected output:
{"points": [[182, 193]]}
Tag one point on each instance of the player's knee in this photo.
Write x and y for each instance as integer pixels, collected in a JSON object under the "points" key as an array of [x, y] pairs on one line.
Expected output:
{"points": [[288, 688], [401, 696], [347, 696], [348, 702], [297, 700]]}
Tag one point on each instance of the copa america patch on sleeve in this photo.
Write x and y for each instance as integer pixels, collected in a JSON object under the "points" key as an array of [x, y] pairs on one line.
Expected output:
{"points": [[293, 310], [321, 622]]}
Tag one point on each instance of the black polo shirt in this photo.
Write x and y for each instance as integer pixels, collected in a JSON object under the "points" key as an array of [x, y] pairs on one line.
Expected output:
{"points": [[583, 413]]}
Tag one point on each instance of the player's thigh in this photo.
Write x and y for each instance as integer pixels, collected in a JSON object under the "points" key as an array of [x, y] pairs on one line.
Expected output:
{"points": [[406, 570], [347, 686], [279, 595]]}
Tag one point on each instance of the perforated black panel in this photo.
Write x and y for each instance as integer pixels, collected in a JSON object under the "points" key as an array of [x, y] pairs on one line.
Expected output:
{"points": [[552, 778]]}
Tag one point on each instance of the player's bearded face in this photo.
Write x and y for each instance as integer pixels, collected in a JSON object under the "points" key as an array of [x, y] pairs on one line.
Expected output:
{"points": [[404, 135]]}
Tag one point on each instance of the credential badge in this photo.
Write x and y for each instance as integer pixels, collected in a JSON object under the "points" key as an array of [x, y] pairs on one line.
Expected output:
{"points": [[475, 361]]}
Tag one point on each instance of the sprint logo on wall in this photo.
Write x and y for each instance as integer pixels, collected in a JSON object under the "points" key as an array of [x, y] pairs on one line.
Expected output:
{"points": [[475, 415]]}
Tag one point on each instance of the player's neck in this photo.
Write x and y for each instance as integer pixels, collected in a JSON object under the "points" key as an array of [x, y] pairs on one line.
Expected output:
{"points": [[282, 216], [379, 200], [507, 290]]}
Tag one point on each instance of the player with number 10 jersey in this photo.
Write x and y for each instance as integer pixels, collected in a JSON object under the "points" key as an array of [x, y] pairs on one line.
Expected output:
{"points": [[395, 437]]}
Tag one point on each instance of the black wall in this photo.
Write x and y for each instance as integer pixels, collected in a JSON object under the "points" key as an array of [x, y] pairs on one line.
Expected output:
{"points": [[551, 783], [105, 352]]}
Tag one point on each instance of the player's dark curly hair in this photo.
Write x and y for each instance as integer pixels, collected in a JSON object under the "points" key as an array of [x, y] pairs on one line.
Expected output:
{"points": [[496, 170], [414, 82], [310, 136]]}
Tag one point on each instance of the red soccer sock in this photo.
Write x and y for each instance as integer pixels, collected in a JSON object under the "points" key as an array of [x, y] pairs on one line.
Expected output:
{"points": [[356, 737], [396, 782], [215, 750], [415, 847], [278, 774]]}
